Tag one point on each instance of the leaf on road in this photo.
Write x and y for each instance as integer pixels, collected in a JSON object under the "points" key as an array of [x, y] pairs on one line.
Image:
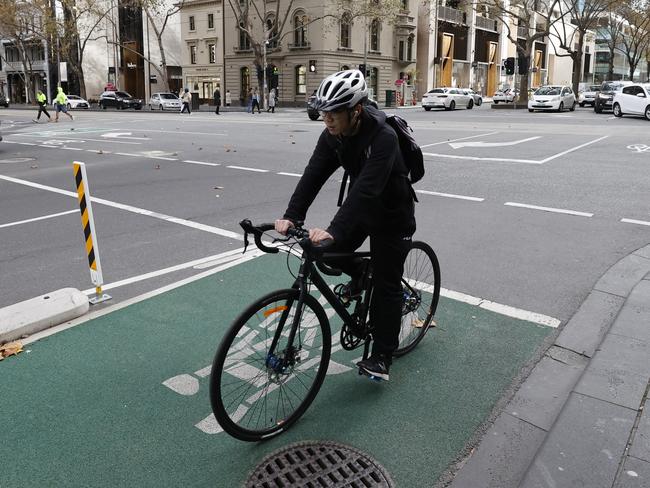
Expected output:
{"points": [[10, 349]]}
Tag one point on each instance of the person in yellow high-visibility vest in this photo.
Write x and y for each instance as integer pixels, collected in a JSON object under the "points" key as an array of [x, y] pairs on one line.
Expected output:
{"points": [[42, 106], [61, 101]]}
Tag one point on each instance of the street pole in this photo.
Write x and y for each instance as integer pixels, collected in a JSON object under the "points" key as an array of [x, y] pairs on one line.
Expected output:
{"points": [[435, 46], [148, 73], [47, 71], [264, 91]]}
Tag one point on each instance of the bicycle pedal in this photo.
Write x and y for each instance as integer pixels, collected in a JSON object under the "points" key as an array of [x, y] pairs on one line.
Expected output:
{"points": [[371, 377]]}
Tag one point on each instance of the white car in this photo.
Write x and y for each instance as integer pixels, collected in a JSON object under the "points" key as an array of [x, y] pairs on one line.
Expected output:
{"points": [[74, 102], [447, 98], [633, 100], [164, 101], [552, 97], [507, 95], [478, 99], [588, 95]]}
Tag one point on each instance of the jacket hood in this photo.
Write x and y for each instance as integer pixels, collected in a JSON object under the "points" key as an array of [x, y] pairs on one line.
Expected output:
{"points": [[59, 89]]}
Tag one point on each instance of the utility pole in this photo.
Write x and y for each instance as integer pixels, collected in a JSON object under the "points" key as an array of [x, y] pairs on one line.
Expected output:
{"points": [[264, 91]]}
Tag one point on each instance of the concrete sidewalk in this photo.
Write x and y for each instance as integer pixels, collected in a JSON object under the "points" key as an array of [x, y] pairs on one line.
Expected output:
{"points": [[580, 418]]}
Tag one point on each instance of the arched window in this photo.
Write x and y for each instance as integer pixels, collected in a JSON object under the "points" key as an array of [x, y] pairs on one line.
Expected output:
{"points": [[300, 29], [244, 82], [346, 27], [272, 32], [301, 80], [374, 34], [244, 41], [409, 47]]}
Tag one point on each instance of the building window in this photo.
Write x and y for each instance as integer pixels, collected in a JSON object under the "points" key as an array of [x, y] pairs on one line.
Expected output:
{"points": [[405, 5], [212, 53], [244, 41], [193, 54], [301, 80], [210, 21], [300, 31], [192, 25], [374, 35], [346, 24], [272, 33], [244, 82], [401, 51], [409, 48]]}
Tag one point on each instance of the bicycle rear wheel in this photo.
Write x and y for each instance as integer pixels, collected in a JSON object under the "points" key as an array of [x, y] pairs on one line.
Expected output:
{"points": [[257, 393], [421, 287]]}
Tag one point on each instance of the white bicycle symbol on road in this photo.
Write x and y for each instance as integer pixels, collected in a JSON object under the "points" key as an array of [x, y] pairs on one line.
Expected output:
{"points": [[639, 148]]}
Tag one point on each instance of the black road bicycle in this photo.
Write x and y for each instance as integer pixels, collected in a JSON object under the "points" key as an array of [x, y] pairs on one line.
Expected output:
{"points": [[273, 359]]}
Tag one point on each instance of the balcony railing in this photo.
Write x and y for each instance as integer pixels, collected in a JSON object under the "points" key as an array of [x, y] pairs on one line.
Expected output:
{"points": [[18, 66], [451, 15], [486, 23]]}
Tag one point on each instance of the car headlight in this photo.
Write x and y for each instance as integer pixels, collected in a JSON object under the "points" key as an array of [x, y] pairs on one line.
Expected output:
{"points": [[603, 96]]}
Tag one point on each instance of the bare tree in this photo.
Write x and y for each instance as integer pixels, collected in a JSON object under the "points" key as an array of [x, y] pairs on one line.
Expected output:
{"points": [[578, 17], [526, 21], [266, 22], [636, 34]]}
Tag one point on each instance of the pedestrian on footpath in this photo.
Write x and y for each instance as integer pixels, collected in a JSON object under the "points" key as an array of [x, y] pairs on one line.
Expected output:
{"points": [[249, 100], [187, 101], [42, 106], [255, 102], [61, 104], [217, 101], [271, 101]]}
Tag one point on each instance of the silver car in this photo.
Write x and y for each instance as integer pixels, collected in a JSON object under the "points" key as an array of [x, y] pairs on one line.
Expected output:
{"points": [[164, 101], [478, 99], [447, 98]]}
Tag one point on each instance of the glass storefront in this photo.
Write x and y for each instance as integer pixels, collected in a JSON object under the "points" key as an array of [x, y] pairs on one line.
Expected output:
{"points": [[204, 86]]}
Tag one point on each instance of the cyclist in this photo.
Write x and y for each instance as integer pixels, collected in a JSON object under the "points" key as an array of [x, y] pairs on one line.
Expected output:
{"points": [[379, 203]]}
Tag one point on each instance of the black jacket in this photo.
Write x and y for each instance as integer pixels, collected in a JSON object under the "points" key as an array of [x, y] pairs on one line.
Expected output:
{"points": [[379, 199]]}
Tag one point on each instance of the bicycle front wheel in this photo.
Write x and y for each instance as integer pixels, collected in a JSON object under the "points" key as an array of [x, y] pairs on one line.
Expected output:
{"points": [[261, 383], [421, 288]]}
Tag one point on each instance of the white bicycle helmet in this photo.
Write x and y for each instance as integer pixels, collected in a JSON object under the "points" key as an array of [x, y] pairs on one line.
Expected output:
{"points": [[341, 90]]}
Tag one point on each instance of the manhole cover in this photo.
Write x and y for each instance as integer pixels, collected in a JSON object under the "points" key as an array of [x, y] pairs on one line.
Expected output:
{"points": [[318, 464]]}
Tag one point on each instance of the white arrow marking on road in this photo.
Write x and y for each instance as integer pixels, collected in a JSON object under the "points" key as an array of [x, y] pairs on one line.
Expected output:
{"points": [[123, 135], [456, 145]]}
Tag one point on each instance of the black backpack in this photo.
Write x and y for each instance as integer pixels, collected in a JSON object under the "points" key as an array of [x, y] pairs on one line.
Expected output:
{"points": [[411, 152]]}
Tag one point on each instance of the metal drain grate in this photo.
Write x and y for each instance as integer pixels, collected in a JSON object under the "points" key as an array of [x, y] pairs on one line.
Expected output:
{"points": [[316, 464]]}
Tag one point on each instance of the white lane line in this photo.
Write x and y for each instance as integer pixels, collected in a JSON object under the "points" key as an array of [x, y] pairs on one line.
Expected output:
{"points": [[638, 222], [476, 158], [290, 174], [249, 169], [501, 309], [572, 149], [99, 151], [201, 162], [24, 143], [129, 154], [549, 209], [461, 139], [51, 216], [129, 208], [46, 145], [450, 195], [206, 262], [72, 148], [161, 157]]}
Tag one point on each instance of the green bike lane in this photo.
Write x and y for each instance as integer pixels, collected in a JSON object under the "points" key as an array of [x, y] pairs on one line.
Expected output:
{"points": [[122, 399]]}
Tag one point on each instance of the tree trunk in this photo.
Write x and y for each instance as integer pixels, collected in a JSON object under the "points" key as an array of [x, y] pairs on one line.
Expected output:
{"points": [[610, 65], [577, 63]]}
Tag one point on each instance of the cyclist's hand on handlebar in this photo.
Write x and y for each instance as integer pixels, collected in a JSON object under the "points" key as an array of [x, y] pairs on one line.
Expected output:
{"points": [[318, 235], [282, 226]]}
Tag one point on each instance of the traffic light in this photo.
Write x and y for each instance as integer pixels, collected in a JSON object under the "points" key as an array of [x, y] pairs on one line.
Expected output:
{"points": [[312, 66], [522, 64], [509, 66], [362, 68]]}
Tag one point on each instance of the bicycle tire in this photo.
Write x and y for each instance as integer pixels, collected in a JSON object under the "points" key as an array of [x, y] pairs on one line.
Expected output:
{"points": [[421, 285], [250, 420]]}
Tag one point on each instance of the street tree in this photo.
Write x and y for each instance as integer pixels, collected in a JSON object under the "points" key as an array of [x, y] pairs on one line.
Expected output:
{"points": [[265, 23], [636, 34], [577, 18], [526, 22], [610, 32]]}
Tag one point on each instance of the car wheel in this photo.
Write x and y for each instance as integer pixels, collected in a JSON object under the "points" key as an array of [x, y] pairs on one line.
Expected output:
{"points": [[102, 106], [531, 110], [496, 102], [67, 105], [427, 108], [647, 112], [582, 105], [479, 102], [617, 110], [470, 105], [139, 108], [573, 107], [597, 109], [452, 105], [161, 107], [561, 107]]}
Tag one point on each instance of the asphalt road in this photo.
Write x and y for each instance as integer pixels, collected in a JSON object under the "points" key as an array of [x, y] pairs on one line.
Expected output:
{"points": [[173, 188]]}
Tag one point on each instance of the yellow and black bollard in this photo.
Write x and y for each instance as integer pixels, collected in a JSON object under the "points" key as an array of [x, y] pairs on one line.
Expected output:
{"points": [[88, 223]]}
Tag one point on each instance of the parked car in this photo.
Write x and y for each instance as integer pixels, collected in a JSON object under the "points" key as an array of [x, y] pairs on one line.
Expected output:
{"points": [[605, 98], [447, 98], [74, 102], [4, 101], [552, 97], [633, 100], [588, 95], [311, 111], [164, 101], [478, 99], [506, 95], [120, 100]]}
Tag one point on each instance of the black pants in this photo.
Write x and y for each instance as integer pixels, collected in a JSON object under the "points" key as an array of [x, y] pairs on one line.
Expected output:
{"points": [[216, 109], [388, 253], [186, 106], [42, 109], [255, 104]]}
